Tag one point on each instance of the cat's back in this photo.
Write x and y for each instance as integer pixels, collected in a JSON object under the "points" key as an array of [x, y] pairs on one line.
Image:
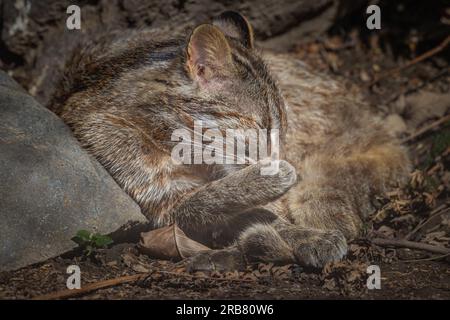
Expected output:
{"points": [[101, 60]]}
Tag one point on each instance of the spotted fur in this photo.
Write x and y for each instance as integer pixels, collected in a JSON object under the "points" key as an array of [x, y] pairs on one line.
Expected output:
{"points": [[125, 94]]}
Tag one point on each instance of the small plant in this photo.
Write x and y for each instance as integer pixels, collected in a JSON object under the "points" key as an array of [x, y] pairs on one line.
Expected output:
{"points": [[90, 242]]}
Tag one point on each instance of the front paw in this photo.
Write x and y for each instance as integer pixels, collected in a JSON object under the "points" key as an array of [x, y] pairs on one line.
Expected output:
{"points": [[216, 260], [276, 181], [321, 248], [287, 174]]}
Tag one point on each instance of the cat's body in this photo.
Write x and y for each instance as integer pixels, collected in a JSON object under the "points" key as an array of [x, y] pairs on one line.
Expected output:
{"points": [[124, 97]]}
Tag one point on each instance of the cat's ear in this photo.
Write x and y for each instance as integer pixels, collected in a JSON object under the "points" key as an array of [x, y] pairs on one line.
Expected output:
{"points": [[208, 53], [235, 25]]}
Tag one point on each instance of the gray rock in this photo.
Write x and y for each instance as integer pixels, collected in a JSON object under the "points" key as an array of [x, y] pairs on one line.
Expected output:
{"points": [[49, 186]]}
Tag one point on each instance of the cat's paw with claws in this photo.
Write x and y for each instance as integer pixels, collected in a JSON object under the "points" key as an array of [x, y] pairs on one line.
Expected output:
{"points": [[320, 249]]}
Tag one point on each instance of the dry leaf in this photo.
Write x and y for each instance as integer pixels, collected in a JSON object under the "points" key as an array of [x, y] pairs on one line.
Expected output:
{"points": [[395, 124], [329, 284], [424, 105], [437, 238], [140, 268], [169, 243], [250, 276], [334, 43], [133, 262], [333, 61], [386, 232], [364, 76], [265, 269], [282, 273]]}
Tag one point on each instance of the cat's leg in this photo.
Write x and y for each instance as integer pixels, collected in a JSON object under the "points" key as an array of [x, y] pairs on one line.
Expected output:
{"points": [[336, 191], [258, 243], [280, 243], [327, 209], [335, 196], [165, 194], [313, 247], [214, 203]]}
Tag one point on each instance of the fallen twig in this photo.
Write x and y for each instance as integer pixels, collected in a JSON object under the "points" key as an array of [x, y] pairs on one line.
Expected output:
{"points": [[401, 243], [428, 259], [437, 212], [408, 91], [414, 61], [427, 128], [66, 294]]}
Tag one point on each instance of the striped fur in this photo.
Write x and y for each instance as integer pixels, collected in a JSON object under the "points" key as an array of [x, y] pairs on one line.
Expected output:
{"points": [[125, 94]]}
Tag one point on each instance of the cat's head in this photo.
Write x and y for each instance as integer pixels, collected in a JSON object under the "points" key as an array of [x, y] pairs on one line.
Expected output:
{"points": [[222, 63]]}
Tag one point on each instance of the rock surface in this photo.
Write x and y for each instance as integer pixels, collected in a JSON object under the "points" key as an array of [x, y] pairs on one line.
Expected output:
{"points": [[49, 186]]}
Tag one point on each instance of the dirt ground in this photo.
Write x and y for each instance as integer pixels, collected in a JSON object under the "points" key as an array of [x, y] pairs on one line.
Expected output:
{"points": [[400, 280], [402, 97]]}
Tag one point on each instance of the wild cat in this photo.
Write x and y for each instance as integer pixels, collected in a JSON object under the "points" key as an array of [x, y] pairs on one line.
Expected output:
{"points": [[125, 94]]}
